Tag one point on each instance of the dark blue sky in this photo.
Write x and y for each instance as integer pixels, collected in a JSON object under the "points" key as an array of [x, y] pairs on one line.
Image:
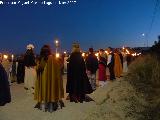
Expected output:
{"points": [[97, 23]]}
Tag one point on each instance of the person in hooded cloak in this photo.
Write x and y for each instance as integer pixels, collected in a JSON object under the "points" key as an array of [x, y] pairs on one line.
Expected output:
{"points": [[5, 95], [78, 84], [49, 84]]}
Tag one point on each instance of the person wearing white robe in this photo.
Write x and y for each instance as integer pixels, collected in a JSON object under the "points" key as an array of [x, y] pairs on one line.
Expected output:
{"points": [[125, 67], [30, 70]]}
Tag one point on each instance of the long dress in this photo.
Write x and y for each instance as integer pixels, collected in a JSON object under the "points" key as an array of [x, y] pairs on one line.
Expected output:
{"points": [[78, 84], [102, 69], [30, 78], [30, 72], [117, 66], [49, 84], [65, 64], [20, 71], [125, 67], [5, 96]]}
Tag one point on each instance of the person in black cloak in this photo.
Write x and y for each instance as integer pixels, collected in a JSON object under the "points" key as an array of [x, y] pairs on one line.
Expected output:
{"points": [[110, 63], [5, 96], [20, 69], [78, 84]]}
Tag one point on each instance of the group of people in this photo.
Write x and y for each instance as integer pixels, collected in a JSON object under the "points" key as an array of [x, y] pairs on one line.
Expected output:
{"points": [[42, 75], [111, 65], [43, 78]]}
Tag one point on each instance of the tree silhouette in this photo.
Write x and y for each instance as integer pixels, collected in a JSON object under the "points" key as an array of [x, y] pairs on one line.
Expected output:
{"points": [[156, 47]]}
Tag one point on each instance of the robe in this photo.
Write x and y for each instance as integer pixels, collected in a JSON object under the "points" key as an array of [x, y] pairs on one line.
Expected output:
{"points": [[49, 83], [117, 66], [77, 80], [20, 71], [5, 95]]}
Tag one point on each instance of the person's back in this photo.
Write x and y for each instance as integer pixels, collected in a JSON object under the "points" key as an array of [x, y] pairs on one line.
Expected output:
{"points": [[92, 63], [5, 96], [77, 81], [49, 84]]}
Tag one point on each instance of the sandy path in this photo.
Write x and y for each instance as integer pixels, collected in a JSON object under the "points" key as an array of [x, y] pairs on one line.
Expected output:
{"points": [[22, 108]]}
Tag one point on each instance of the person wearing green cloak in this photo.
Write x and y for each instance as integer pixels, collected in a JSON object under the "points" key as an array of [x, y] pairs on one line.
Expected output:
{"points": [[49, 84]]}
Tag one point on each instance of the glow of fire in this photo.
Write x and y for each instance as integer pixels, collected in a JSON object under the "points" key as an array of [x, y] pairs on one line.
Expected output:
{"points": [[83, 54], [134, 54], [96, 54], [106, 52], [5, 56], [57, 55], [127, 51], [56, 41]]}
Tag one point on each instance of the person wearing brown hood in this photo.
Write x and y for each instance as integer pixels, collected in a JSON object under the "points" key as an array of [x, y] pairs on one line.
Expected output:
{"points": [[49, 84], [117, 64]]}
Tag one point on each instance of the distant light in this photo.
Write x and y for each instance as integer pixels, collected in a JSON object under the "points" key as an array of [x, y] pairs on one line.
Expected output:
{"points": [[139, 54], [57, 55], [1, 2], [134, 54], [83, 54], [49, 3], [56, 41], [5, 56], [12, 56], [123, 48], [106, 52], [127, 52], [65, 52], [96, 54], [143, 34]]}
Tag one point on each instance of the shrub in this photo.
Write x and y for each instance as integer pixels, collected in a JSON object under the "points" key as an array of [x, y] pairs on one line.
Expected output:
{"points": [[144, 73]]}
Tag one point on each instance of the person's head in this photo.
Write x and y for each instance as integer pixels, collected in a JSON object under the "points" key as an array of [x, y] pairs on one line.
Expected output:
{"points": [[101, 51], [45, 52], [29, 48], [75, 47], [91, 50], [109, 49], [116, 51]]}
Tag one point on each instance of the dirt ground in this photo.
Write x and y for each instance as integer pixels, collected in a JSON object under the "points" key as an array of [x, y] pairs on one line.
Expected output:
{"points": [[117, 100]]}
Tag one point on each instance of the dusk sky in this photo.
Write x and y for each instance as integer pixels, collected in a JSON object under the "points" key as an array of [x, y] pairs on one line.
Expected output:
{"points": [[97, 23]]}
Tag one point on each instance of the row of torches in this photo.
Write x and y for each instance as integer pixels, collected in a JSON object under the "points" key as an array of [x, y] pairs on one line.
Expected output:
{"points": [[5, 56], [126, 51]]}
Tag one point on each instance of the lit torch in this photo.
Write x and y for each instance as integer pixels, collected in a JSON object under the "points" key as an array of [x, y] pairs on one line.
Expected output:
{"points": [[83, 54], [12, 57], [57, 55], [5, 56]]}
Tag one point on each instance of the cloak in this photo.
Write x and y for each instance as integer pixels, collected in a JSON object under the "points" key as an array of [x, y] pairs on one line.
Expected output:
{"points": [[49, 83], [5, 95], [117, 66], [77, 80]]}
